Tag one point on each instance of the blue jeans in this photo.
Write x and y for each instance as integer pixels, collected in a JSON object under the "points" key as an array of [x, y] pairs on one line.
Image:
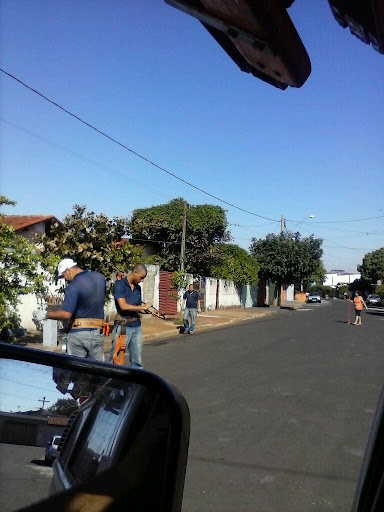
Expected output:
{"points": [[190, 312], [87, 344], [133, 343], [115, 333]]}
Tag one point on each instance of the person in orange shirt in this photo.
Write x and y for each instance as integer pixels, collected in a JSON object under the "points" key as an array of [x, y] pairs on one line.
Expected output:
{"points": [[358, 303]]}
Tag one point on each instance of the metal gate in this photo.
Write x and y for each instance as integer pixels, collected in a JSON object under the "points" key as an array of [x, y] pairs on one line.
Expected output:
{"points": [[15, 432], [167, 295]]}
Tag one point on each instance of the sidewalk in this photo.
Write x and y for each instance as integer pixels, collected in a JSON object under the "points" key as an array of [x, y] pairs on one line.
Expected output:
{"points": [[155, 329]]}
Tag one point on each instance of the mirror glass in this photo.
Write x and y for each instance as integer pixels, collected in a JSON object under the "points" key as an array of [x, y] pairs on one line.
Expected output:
{"points": [[60, 428]]}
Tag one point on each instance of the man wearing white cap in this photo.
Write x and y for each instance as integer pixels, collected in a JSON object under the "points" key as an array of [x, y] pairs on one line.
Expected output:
{"points": [[84, 306]]}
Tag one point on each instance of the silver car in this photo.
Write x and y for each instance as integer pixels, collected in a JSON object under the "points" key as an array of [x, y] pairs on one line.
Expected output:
{"points": [[373, 300], [51, 450], [314, 297]]}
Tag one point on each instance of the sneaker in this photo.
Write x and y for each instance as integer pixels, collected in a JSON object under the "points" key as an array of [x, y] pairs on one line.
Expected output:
{"points": [[190, 332]]}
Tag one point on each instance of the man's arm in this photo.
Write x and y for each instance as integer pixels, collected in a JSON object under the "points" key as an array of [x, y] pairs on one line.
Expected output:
{"points": [[58, 315], [124, 306], [68, 307]]}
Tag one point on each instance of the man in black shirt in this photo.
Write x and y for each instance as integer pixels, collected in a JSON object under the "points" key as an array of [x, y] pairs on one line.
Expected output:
{"points": [[191, 303]]}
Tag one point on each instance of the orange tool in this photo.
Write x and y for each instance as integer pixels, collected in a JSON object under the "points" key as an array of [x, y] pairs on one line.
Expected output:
{"points": [[118, 353], [105, 330]]}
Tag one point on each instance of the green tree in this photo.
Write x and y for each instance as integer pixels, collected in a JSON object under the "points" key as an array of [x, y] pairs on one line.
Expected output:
{"points": [[20, 271], [93, 241], [234, 264], [287, 258], [380, 291], [317, 277], [64, 406], [372, 267], [206, 226]]}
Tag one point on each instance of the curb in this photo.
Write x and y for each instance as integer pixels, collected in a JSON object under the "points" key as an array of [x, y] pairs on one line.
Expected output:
{"points": [[149, 339]]}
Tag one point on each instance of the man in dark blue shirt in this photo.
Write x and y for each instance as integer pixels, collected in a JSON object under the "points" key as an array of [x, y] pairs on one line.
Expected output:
{"points": [[83, 306], [191, 303], [127, 293]]}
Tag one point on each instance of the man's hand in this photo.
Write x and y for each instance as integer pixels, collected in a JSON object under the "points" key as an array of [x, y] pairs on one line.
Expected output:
{"points": [[199, 310], [146, 306]]}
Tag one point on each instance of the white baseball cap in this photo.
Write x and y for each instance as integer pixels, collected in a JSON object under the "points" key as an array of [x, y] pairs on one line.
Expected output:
{"points": [[65, 265]]}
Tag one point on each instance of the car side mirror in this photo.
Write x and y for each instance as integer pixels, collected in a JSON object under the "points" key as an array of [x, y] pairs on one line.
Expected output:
{"points": [[124, 435]]}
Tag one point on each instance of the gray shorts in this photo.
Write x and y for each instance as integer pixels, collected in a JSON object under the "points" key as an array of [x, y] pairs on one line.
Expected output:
{"points": [[89, 344]]}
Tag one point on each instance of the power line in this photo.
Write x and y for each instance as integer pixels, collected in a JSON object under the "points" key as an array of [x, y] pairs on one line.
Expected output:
{"points": [[20, 397], [28, 385], [350, 230], [257, 226], [341, 245], [155, 241], [84, 158], [341, 221], [145, 159]]}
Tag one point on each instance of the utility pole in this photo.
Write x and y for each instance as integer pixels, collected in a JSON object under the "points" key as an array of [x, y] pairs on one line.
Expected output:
{"points": [[282, 224], [182, 252], [44, 401]]}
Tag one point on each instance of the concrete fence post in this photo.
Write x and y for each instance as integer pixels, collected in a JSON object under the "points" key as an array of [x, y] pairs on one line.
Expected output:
{"points": [[49, 333]]}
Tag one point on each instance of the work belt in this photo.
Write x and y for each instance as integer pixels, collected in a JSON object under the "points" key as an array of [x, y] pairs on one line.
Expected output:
{"points": [[87, 323], [123, 321]]}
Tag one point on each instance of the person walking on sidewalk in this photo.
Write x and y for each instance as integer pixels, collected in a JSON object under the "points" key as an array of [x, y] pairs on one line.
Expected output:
{"points": [[127, 293], [83, 307], [358, 303], [191, 306]]}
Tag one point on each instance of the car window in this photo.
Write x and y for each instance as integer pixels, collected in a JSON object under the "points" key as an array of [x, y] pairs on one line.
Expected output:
{"points": [[95, 448]]}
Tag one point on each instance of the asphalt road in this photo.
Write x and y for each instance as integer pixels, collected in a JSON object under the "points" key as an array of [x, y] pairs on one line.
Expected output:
{"points": [[24, 477], [281, 408]]}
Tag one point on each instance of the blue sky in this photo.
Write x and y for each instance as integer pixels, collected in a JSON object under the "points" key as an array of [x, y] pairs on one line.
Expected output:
{"points": [[18, 394], [154, 79]]}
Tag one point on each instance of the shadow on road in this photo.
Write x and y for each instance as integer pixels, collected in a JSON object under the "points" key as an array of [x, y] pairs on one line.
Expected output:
{"points": [[40, 462], [245, 465], [373, 312]]}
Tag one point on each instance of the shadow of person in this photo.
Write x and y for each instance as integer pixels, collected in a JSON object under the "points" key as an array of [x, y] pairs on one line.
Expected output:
{"points": [[40, 462]]}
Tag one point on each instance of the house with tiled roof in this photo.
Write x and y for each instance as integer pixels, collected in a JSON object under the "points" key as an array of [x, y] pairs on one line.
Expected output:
{"points": [[30, 225]]}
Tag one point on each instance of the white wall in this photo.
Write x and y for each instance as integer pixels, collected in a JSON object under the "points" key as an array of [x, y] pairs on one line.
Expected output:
{"points": [[290, 293], [210, 293], [248, 296], [333, 279], [29, 304], [30, 231], [229, 295]]}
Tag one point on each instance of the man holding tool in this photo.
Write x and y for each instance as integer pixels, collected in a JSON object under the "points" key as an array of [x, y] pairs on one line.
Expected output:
{"points": [[83, 307], [127, 293]]}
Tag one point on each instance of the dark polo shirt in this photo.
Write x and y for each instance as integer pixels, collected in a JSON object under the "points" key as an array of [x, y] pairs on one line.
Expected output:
{"points": [[122, 290]]}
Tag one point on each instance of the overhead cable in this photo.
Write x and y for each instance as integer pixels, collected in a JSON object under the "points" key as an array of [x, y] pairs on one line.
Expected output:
{"points": [[100, 132]]}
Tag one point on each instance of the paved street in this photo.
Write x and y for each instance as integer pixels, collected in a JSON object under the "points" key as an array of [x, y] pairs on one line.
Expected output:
{"points": [[281, 408], [24, 477]]}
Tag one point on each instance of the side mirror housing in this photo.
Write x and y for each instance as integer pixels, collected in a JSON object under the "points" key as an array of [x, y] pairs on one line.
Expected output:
{"points": [[125, 440]]}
